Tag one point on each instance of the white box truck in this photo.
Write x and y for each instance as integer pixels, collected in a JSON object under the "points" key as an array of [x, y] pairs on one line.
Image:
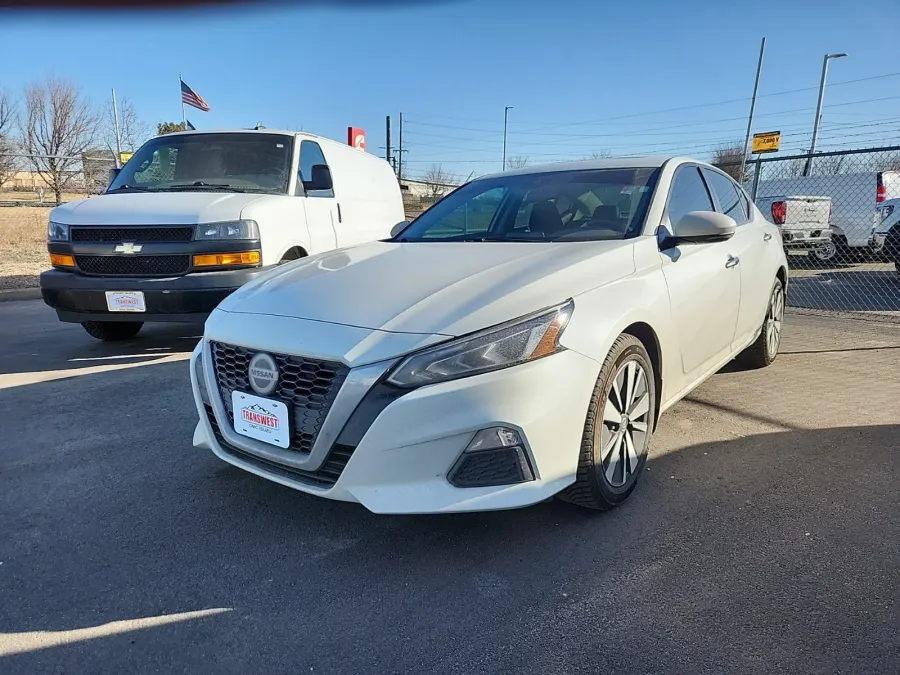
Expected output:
{"points": [[854, 197], [193, 216]]}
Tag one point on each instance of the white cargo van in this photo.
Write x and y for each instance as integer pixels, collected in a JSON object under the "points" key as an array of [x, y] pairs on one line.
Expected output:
{"points": [[193, 216], [854, 198], [804, 222]]}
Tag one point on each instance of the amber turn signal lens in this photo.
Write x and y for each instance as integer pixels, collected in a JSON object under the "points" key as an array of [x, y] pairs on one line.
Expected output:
{"points": [[60, 260], [225, 259]]}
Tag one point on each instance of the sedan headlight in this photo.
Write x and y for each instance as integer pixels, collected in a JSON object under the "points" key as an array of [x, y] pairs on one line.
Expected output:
{"points": [[498, 347], [232, 229], [57, 232]]}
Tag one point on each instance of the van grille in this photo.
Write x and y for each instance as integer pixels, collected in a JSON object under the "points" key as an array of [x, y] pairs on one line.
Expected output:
{"points": [[132, 234], [133, 266]]}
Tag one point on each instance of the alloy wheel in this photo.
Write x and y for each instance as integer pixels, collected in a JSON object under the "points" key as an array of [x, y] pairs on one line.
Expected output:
{"points": [[626, 424], [774, 320]]}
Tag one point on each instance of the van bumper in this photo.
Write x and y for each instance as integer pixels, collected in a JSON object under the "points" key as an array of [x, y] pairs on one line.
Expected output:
{"points": [[189, 298]]}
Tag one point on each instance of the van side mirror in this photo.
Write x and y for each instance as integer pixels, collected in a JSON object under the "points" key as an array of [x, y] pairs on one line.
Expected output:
{"points": [[698, 227], [398, 228], [320, 178], [113, 174]]}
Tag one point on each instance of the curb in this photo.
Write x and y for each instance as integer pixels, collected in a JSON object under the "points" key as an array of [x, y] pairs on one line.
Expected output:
{"points": [[20, 294]]}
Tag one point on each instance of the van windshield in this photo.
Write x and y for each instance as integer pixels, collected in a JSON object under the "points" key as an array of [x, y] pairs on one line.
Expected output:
{"points": [[581, 205], [218, 162]]}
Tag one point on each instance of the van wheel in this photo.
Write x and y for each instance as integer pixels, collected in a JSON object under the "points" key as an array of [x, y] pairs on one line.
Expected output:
{"points": [[617, 430], [112, 331]]}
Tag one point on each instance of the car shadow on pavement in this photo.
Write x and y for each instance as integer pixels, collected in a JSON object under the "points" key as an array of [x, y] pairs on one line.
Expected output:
{"points": [[767, 553]]}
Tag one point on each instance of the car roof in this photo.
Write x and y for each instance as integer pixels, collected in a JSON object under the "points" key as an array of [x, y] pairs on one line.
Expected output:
{"points": [[649, 162]]}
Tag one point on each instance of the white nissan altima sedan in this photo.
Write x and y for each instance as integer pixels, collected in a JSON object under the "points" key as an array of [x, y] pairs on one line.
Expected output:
{"points": [[517, 341]]}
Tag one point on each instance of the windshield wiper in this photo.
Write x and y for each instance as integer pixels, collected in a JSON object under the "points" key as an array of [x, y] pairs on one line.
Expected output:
{"points": [[132, 187], [207, 186]]}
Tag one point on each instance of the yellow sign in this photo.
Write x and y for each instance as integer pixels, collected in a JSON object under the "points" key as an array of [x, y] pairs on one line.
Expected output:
{"points": [[124, 157], [766, 142]]}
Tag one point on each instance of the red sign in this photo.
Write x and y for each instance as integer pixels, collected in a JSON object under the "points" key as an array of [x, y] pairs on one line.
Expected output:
{"points": [[263, 419], [356, 137]]}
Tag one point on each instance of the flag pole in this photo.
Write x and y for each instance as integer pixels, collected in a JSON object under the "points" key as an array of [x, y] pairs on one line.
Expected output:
{"points": [[183, 116]]}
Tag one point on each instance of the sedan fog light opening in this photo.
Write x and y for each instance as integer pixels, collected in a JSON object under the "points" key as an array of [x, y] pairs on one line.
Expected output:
{"points": [[226, 259], [495, 456]]}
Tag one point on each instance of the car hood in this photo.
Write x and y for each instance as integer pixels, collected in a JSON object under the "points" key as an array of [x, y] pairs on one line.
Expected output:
{"points": [[162, 208], [433, 288]]}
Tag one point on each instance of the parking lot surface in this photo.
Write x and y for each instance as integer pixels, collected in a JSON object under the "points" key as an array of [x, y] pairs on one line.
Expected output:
{"points": [[764, 537]]}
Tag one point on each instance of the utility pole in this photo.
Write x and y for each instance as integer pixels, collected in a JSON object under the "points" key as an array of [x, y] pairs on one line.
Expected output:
{"points": [[762, 50], [400, 150], [505, 125], [387, 138], [818, 120], [118, 137]]}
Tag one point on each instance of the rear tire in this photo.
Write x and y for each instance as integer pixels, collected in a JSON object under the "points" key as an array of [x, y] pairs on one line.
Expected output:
{"points": [[620, 421], [112, 331], [765, 350]]}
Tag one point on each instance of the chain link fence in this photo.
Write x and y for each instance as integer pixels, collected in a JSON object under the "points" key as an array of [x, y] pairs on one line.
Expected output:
{"points": [[85, 174], [839, 215]]}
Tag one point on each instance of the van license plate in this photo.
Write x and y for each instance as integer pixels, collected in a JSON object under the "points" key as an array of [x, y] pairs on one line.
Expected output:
{"points": [[125, 301], [261, 418]]}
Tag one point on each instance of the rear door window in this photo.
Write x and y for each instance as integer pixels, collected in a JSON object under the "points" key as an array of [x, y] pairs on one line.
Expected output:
{"points": [[727, 196]]}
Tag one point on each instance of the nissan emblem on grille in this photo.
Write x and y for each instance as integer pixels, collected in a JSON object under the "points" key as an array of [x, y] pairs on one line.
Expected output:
{"points": [[263, 374]]}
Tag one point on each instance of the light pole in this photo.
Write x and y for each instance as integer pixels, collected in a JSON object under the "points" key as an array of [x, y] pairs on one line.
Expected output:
{"points": [[818, 120], [505, 124], [762, 51]]}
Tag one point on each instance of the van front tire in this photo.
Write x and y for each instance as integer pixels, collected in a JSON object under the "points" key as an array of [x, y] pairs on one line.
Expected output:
{"points": [[112, 331]]}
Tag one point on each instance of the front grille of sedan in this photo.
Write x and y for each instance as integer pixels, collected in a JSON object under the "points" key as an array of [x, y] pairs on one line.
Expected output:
{"points": [[307, 386]]}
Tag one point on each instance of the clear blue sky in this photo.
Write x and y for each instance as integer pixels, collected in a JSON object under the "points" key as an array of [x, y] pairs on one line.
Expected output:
{"points": [[452, 67]]}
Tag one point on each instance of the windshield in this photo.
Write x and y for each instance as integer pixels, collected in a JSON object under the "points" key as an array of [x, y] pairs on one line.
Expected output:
{"points": [[231, 162], [598, 204]]}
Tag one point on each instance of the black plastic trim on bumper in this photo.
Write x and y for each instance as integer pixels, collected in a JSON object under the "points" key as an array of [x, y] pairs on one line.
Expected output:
{"points": [[491, 468], [77, 298]]}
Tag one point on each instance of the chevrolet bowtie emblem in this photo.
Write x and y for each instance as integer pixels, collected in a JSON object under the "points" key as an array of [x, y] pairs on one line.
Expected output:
{"points": [[128, 248]]}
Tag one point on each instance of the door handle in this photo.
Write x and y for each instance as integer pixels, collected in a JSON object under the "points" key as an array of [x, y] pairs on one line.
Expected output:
{"points": [[767, 237], [732, 261], [339, 212]]}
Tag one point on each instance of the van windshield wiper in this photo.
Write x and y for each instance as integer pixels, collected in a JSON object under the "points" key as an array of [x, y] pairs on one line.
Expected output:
{"points": [[132, 187], [201, 184]]}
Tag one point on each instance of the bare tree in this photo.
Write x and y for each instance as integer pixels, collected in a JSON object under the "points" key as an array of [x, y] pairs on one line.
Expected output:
{"points": [[730, 158], [517, 162], [436, 180], [8, 164], [830, 165], [133, 131], [58, 126], [599, 154]]}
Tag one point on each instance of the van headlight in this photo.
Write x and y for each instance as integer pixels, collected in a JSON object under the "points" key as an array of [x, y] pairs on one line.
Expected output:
{"points": [[57, 231], [508, 344], [232, 229]]}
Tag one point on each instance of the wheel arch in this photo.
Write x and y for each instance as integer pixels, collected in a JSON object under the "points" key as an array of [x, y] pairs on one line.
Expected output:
{"points": [[293, 253], [648, 337]]}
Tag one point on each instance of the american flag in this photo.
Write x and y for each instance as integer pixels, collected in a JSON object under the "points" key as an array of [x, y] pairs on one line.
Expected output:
{"points": [[192, 98]]}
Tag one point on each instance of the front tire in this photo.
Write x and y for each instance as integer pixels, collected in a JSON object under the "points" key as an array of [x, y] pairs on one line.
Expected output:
{"points": [[112, 331], [765, 350], [620, 421]]}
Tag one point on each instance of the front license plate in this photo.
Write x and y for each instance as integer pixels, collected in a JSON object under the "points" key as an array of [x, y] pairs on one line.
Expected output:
{"points": [[125, 301], [261, 418]]}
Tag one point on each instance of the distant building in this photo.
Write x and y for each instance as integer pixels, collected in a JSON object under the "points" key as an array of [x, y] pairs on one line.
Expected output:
{"points": [[418, 189]]}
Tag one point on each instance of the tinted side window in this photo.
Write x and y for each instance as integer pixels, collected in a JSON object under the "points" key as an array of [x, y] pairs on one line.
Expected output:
{"points": [[727, 195], [688, 194], [310, 155]]}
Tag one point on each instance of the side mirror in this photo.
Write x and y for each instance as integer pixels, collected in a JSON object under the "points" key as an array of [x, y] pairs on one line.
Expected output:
{"points": [[320, 178], [398, 228], [699, 227], [113, 174]]}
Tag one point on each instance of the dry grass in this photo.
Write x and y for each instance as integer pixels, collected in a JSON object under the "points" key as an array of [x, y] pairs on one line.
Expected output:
{"points": [[31, 196], [23, 245]]}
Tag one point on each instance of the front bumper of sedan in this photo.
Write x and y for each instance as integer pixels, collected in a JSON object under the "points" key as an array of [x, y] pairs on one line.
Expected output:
{"points": [[401, 452]]}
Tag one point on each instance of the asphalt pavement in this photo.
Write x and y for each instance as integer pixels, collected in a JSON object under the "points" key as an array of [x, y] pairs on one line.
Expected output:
{"points": [[764, 537]]}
